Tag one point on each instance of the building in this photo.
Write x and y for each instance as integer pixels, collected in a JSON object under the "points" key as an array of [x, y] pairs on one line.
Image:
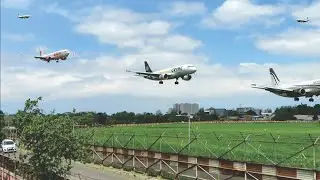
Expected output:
{"points": [[210, 111], [221, 112], [244, 110], [186, 108]]}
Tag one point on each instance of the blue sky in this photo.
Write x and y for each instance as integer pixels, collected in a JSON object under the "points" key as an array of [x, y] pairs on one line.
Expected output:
{"points": [[232, 43]]}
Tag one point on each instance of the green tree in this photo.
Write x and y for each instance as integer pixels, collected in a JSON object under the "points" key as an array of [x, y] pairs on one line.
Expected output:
{"points": [[251, 113], [2, 125], [51, 140], [101, 118]]}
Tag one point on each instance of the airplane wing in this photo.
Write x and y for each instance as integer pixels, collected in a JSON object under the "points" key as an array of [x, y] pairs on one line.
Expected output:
{"points": [[273, 89], [39, 57], [144, 73]]}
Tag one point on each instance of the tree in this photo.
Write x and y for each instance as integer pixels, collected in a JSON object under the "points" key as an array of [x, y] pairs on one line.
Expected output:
{"points": [[159, 113], [101, 118], [51, 140], [315, 117], [2, 125], [251, 113], [284, 113]]}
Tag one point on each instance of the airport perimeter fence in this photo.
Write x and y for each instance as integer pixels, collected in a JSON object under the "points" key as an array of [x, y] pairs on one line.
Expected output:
{"points": [[300, 151]]}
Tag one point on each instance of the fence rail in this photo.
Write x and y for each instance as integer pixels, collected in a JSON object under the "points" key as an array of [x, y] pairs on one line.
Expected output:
{"points": [[301, 151], [175, 166]]}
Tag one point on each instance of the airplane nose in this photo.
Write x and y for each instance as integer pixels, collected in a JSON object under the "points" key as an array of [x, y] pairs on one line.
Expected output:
{"points": [[193, 69]]}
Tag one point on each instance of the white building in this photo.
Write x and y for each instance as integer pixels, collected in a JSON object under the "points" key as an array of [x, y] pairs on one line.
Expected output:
{"points": [[187, 108]]}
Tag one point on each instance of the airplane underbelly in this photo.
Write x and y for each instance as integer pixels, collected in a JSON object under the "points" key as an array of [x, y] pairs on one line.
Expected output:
{"points": [[287, 94]]}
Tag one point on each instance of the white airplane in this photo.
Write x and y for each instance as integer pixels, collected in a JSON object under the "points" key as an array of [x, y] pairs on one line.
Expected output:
{"points": [[183, 71], [302, 89], [61, 54], [303, 20], [24, 16]]}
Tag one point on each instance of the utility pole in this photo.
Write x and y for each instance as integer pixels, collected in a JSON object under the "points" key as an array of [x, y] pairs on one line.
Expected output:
{"points": [[189, 128]]}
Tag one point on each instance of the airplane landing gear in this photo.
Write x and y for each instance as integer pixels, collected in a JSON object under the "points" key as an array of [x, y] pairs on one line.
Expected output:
{"points": [[160, 82], [176, 81], [57, 61], [311, 100], [296, 99]]}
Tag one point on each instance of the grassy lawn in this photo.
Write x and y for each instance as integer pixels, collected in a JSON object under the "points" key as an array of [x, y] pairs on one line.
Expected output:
{"points": [[269, 143]]}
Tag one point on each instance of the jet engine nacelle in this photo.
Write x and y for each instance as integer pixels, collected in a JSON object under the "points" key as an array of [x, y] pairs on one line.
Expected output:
{"points": [[63, 58], [305, 91], [302, 91], [163, 76], [187, 77]]}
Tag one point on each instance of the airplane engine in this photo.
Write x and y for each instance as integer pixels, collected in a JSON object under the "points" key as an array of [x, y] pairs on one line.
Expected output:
{"points": [[63, 58], [164, 76], [187, 77], [304, 91]]}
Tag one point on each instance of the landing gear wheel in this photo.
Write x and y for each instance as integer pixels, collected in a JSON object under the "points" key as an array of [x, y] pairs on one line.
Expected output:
{"points": [[296, 99], [176, 82], [57, 61], [311, 100], [160, 82]]}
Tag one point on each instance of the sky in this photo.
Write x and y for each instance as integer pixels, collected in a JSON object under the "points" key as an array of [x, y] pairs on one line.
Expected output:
{"points": [[232, 43]]}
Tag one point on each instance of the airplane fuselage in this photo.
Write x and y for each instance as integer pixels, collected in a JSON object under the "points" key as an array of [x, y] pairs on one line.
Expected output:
{"points": [[58, 55], [24, 16], [299, 89], [173, 73]]}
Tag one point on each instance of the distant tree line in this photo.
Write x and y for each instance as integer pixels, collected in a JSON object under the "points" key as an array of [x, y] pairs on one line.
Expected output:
{"points": [[124, 117], [288, 112]]}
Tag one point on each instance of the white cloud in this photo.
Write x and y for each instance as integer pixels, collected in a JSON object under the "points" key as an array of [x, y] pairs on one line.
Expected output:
{"points": [[127, 29], [17, 37], [152, 39], [236, 13], [182, 8], [304, 42], [311, 11], [16, 4], [105, 76]]}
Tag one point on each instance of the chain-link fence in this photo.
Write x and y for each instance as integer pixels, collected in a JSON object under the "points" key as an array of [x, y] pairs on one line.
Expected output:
{"points": [[299, 151]]}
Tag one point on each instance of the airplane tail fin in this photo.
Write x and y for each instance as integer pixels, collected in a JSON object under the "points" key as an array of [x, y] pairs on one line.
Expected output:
{"points": [[147, 67], [274, 78]]}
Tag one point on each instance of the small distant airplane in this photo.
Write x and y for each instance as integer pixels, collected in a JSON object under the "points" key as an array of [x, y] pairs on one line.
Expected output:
{"points": [[57, 55], [24, 16], [303, 20], [302, 89], [183, 71]]}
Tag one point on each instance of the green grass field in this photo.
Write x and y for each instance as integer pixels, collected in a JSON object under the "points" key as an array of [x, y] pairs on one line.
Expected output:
{"points": [[268, 143]]}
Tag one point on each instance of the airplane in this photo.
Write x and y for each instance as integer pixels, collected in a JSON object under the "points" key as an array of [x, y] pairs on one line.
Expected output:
{"points": [[302, 89], [183, 71], [24, 16], [61, 54], [303, 20]]}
